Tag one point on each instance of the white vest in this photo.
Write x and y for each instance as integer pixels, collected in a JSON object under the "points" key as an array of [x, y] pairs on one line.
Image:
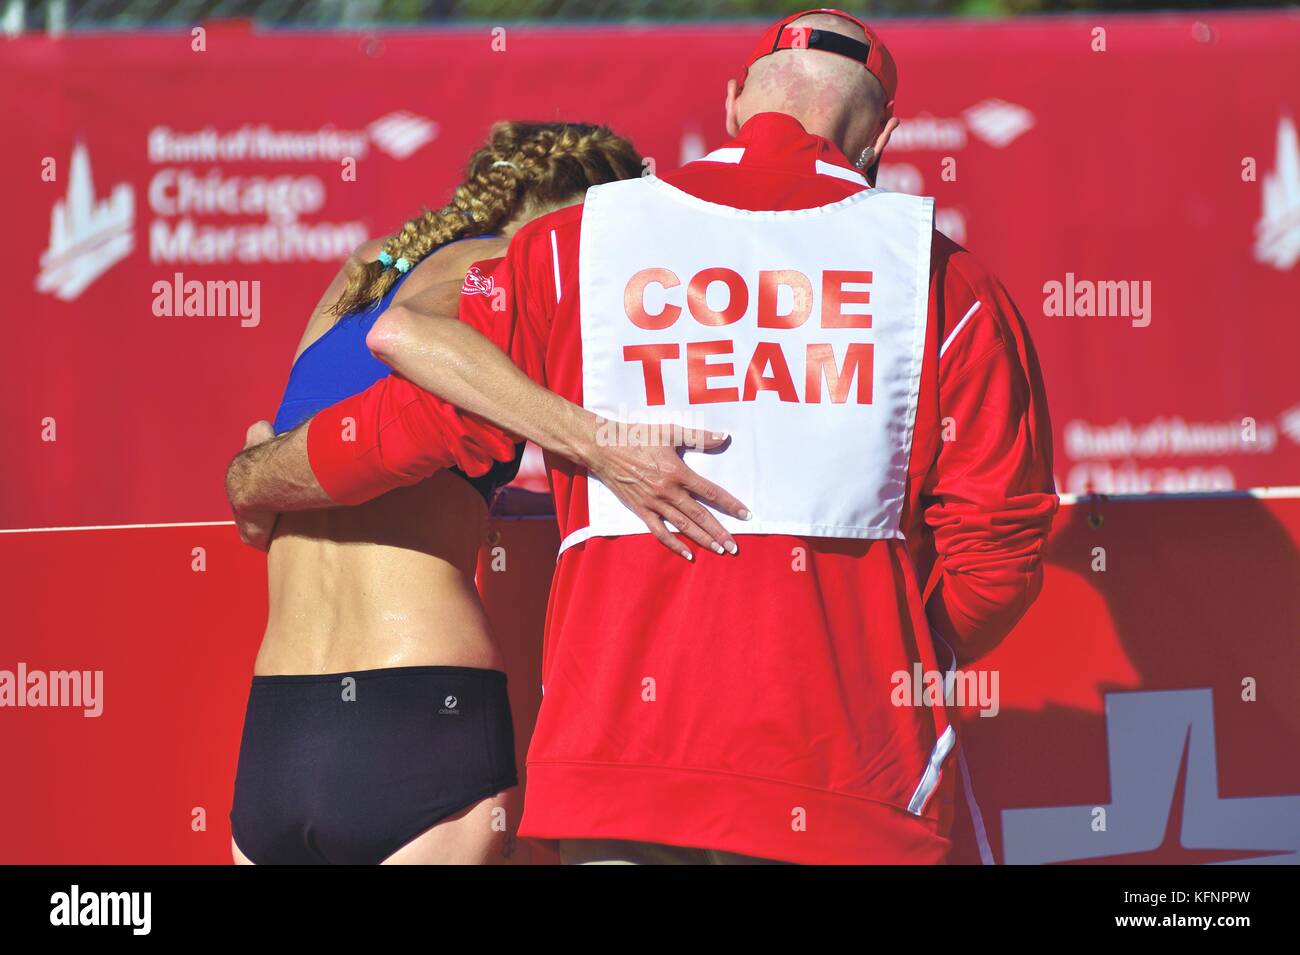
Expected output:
{"points": [[776, 344]]}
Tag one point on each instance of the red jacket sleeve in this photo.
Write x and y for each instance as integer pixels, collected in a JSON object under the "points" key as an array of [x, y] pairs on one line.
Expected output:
{"points": [[989, 497], [395, 434]]}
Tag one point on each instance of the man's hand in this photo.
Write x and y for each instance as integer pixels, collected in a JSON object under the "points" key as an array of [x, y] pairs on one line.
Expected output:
{"points": [[275, 476], [255, 527], [448, 358], [653, 482]]}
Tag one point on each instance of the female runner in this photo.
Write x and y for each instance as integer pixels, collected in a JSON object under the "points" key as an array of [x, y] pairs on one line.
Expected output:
{"points": [[378, 727]]}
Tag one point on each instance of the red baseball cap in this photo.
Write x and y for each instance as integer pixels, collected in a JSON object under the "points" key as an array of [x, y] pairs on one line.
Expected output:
{"points": [[871, 54]]}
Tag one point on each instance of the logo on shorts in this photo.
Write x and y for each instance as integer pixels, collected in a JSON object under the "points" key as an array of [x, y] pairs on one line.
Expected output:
{"points": [[449, 707]]}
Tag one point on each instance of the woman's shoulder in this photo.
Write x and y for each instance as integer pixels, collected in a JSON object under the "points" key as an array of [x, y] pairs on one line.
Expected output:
{"points": [[453, 260], [467, 251]]}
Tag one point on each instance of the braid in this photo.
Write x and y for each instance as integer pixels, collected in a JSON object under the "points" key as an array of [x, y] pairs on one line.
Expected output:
{"points": [[524, 170]]}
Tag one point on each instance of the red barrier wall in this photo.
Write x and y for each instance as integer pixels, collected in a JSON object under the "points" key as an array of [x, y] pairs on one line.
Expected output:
{"points": [[1054, 159], [1149, 607], [1196, 595]]}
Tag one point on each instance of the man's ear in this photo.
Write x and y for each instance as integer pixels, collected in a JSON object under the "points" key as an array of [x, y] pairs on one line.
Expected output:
{"points": [[882, 140], [733, 125]]}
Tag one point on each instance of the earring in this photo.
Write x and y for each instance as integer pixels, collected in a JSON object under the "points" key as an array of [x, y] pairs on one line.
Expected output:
{"points": [[864, 160]]}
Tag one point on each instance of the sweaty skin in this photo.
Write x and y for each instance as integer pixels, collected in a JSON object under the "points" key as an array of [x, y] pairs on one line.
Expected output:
{"points": [[390, 582]]}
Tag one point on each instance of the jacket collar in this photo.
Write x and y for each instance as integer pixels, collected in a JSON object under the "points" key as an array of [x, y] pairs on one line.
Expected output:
{"points": [[779, 142]]}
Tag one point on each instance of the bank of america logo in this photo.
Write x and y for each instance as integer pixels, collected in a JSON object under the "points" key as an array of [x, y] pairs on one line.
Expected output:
{"points": [[998, 122], [400, 134], [1289, 422], [1277, 234], [88, 236]]}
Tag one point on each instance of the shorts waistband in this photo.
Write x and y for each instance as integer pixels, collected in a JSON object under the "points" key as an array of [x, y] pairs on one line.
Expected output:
{"points": [[381, 674]]}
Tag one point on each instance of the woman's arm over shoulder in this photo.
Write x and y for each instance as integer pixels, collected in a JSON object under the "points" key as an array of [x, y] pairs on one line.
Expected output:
{"points": [[464, 376]]}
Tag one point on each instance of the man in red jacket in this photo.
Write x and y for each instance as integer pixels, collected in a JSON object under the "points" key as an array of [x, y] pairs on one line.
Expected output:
{"points": [[888, 430]]}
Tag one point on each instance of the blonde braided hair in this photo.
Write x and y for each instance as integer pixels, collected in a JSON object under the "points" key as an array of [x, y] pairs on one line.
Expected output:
{"points": [[525, 169]]}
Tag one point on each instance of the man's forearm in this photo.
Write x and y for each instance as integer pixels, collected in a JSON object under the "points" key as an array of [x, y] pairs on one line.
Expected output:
{"points": [[450, 359], [275, 476]]}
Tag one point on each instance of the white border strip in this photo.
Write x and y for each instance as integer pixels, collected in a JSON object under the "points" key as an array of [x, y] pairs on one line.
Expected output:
{"points": [[1281, 492], [1259, 493], [113, 527]]}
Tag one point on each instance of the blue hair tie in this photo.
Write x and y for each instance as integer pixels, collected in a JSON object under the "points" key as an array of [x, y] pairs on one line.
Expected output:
{"points": [[386, 259], [402, 265]]}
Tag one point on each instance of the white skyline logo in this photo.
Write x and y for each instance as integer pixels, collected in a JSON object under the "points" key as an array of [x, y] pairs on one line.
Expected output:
{"points": [[401, 134], [87, 236], [1277, 234]]}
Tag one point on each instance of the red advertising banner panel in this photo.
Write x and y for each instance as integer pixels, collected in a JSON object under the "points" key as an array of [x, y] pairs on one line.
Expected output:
{"points": [[1135, 181]]}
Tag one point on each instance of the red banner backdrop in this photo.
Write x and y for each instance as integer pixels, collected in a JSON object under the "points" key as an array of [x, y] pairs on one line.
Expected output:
{"points": [[1134, 180]]}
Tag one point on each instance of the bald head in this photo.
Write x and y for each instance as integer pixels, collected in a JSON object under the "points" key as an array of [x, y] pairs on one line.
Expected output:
{"points": [[831, 95]]}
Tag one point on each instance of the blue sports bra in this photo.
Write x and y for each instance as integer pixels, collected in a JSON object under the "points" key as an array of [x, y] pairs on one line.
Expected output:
{"points": [[338, 365]]}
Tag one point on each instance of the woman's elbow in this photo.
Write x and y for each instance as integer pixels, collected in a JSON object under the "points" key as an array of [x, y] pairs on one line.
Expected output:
{"points": [[390, 334]]}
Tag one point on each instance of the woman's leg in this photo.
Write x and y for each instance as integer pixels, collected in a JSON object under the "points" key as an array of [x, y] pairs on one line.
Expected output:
{"points": [[482, 834]]}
